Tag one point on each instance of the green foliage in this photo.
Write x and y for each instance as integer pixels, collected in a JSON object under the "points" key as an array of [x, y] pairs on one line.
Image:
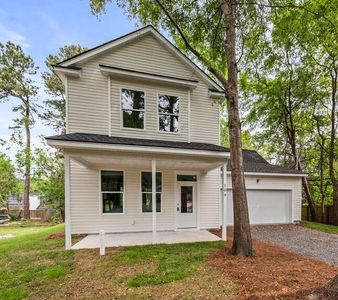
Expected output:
{"points": [[49, 177], [8, 180], [17, 71], [54, 111], [287, 96]]}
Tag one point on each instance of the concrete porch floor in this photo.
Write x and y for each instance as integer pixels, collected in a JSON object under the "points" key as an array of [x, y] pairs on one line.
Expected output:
{"points": [[92, 241]]}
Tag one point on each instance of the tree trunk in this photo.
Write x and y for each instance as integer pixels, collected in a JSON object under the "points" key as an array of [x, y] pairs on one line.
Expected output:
{"points": [[242, 243], [291, 135], [332, 155], [312, 207], [26, 212]]}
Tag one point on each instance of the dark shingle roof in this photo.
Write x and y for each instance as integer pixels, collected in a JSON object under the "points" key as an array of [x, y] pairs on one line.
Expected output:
{"points": [[105, 139], [253, 162]]}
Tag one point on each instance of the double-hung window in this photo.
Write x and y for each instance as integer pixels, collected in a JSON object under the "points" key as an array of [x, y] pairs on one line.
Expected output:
{"points": [[168, 113], [133, 108], [112, 191], [146, 183]]}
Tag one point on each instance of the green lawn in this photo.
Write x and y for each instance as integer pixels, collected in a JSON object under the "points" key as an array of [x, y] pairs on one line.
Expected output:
{"points": [[321, 227], [36, 268], [28, 261]]}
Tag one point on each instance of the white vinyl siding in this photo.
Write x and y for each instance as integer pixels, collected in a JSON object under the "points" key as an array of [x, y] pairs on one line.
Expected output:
{"points": [[209, 200], [86, 216], [89, 103]]}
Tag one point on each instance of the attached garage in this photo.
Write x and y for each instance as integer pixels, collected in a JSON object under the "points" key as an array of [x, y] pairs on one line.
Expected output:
{"points": [[265, 206], [274, 193]]}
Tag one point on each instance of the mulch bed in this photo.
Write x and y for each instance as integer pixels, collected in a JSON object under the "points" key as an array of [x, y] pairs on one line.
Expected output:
{"points": [[55, 236], [274, 273]]}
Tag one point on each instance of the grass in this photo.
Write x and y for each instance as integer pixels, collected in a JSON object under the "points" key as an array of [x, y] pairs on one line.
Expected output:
{"points": [[34, 267], [321, 227], [28, 261], [174, 262]]}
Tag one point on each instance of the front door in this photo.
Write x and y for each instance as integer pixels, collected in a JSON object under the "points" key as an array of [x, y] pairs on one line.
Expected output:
{"points": [[186, 205]]}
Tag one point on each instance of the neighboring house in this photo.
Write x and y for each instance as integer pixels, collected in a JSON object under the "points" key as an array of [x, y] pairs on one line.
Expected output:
{"points": [[16, 202], [136, 106]]}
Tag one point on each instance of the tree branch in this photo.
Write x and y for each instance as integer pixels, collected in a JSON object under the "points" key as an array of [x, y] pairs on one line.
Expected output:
{"points": [[289, 6], [205, 61]]}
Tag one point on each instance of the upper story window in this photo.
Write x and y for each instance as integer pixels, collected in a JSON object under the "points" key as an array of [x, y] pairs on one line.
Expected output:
{"points": [[112, 191], [168, 113], [133, 108]]}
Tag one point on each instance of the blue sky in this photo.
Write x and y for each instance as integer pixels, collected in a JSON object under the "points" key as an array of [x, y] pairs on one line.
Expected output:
{"points": [[41, 27]]}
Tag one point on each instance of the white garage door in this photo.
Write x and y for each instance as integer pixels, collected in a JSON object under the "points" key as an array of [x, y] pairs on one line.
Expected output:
{"points": [[265, 206]]}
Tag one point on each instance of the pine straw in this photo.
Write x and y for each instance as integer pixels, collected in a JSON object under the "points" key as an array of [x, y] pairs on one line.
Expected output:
{"points": [[274, 273], [55, 236]]}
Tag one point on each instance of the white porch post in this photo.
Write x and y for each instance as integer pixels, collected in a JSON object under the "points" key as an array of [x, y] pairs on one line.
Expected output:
{"points": [[224, 202], [153, 196], [68, 230]]}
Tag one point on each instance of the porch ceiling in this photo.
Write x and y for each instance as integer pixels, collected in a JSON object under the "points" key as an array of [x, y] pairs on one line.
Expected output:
{"points": [[106, 159]]}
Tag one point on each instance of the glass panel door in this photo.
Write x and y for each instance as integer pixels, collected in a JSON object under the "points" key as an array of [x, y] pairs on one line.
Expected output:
{"points": [[186, 199]]}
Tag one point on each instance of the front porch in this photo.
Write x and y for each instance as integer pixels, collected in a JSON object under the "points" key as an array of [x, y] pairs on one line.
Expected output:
{"points": [[92, 241], [134, 185]]}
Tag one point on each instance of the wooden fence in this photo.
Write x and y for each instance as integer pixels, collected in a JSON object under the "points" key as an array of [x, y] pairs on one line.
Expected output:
{"points": [[326, 218], [41, 214]]}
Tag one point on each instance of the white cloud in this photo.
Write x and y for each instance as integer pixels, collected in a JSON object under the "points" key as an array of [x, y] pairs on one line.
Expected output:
{"points": [[7, 34], [57, 33]]}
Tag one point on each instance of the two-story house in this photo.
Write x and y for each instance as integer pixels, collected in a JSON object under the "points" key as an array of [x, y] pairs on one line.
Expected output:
{"points": [[142, 146]]}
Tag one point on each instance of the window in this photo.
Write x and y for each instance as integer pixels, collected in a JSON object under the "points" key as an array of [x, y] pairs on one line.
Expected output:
{"points": [[186, 178], [133, 112], [112, 191], [168, 113], [146, 191]]}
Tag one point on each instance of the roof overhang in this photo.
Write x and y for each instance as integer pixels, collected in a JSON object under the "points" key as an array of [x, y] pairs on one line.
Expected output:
{"points": [[64, 72], [136, 75], [272, 174], [216, 94], [137, 149]]}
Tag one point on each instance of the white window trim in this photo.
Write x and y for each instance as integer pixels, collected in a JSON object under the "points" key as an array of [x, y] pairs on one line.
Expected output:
{"points": [[158, 113], [144, 110], [101, 192], [141, 193]]}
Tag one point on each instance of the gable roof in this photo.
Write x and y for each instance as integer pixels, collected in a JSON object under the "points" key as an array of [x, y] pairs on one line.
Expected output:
{"points": [[253, 162], [86, 55]]}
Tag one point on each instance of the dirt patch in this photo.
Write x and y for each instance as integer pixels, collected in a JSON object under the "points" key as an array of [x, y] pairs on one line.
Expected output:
{"points": [[274, 273], [55, 236]]}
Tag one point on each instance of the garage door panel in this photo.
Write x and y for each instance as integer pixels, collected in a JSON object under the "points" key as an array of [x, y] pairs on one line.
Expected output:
{"points": [[265, 206]]}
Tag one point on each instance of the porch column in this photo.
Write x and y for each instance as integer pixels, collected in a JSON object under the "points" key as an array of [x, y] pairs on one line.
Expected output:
{"points": [[68, 231], [153, 196], [224, 202]]}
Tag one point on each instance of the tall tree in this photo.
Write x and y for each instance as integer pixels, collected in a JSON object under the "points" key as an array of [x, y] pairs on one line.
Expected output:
{"points": [[312, 30], [8, 181], [49, 176], [206, 31], [16, 82], [54, 112]]}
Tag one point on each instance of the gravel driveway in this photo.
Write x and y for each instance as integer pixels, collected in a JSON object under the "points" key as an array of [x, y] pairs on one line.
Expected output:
{"points": [[320, 245]]}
